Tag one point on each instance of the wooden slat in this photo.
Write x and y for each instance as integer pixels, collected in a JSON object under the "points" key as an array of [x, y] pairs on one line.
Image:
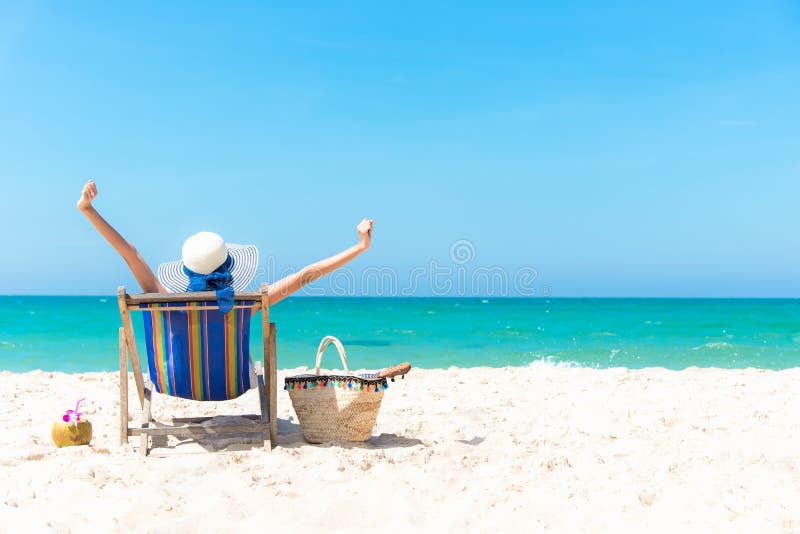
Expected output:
{"points": [[198, 296], [180, 420], [196, 430], [130, 341]]}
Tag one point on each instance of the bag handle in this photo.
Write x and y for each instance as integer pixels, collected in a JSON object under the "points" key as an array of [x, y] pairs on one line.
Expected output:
{"points": [[327, 340]]}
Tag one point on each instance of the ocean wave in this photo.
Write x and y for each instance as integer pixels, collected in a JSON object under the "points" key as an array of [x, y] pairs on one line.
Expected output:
{"points": [[549, 361]]}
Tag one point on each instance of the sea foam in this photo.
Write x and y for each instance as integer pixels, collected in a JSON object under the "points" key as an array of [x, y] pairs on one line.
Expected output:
{"points": [[549, 361]]}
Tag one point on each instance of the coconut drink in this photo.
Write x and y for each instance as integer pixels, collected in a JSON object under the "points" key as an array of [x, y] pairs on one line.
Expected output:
{"points": [[73, 429]]}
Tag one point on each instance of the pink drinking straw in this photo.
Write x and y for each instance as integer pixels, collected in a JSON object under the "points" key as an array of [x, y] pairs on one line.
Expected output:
{"points": [[73, 415]]}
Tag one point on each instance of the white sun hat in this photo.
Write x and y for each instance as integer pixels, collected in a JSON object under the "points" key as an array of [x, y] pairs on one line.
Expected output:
{"points": [[203, 253]]}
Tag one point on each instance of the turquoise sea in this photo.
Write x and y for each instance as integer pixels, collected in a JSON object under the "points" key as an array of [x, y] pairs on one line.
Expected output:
{"points": [[77, 334]]}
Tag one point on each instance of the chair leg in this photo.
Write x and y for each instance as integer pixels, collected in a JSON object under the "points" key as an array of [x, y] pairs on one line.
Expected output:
{"points": [[272, 385], [123, 388], [262, 400], [145, 439]]}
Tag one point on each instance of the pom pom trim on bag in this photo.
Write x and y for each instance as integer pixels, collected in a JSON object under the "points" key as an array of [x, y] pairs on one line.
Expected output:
{"points": [[338, 381]]}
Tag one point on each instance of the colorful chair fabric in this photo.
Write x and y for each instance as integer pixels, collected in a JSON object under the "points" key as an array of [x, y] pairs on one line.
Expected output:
{"points": [[197, 353]]}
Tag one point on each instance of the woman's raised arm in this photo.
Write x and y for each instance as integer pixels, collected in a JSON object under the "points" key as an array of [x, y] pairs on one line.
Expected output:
{"points": [[141, 271], [292, 283]]}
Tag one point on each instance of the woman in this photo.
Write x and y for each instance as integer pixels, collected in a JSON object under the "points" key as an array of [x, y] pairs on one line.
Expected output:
{"points": [[209, 263]]}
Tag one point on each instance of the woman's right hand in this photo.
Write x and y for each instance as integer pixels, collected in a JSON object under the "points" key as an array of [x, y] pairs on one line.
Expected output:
{"points": [[88, 194]]}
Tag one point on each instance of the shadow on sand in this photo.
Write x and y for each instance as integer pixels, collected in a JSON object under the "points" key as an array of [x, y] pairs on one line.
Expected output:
{"points": [[290, 436]]}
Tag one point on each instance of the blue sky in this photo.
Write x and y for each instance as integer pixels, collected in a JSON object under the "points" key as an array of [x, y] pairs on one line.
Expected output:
{"points": [[617, 148]]}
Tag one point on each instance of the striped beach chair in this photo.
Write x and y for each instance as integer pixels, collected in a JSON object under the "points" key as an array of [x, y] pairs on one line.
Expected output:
{"points": [[197, 353]]}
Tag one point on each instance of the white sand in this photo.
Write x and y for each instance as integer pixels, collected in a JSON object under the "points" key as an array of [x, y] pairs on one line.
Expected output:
{"points": [[508, 450]]}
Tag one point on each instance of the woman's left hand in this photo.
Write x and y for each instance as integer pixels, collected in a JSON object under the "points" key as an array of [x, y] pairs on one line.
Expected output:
{"points": [[365, 232]]}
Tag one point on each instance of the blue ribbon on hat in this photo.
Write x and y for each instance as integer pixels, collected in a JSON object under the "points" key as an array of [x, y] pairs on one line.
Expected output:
{"points": [[219, 280]]}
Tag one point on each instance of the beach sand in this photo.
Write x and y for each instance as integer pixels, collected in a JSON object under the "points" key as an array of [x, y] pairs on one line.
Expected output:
{"points": [[478, 450]]}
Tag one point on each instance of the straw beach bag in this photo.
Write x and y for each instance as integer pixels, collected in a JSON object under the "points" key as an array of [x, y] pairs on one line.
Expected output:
{"points": [[336, 407]]}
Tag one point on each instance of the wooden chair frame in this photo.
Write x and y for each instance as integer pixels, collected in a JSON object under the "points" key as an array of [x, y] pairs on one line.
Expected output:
{"points": [[266, 421]]}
